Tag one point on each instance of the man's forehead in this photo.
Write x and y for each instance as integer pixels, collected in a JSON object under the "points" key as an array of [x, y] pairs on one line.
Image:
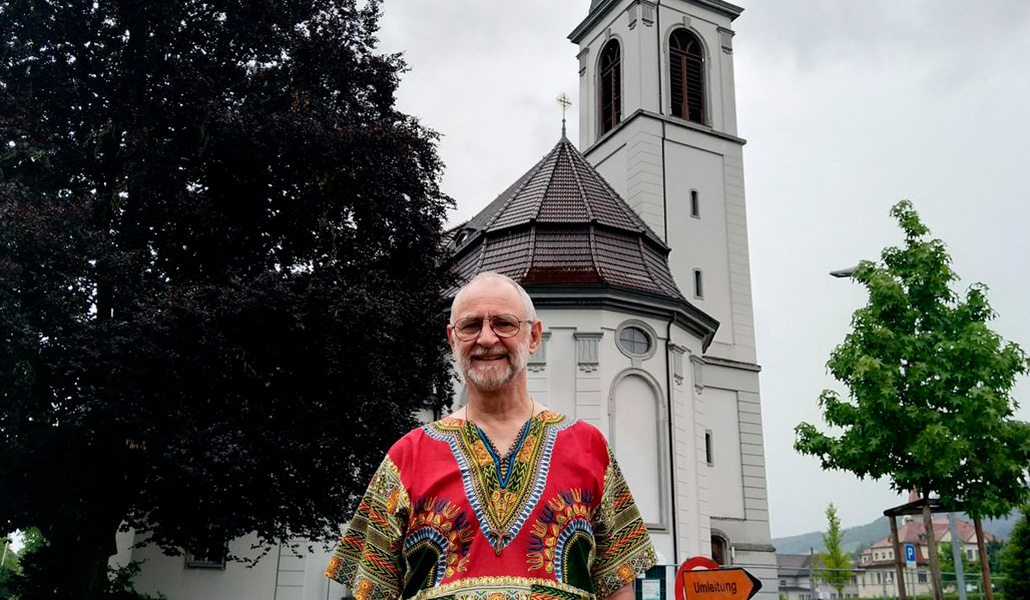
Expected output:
{"points": [[489, 296]]}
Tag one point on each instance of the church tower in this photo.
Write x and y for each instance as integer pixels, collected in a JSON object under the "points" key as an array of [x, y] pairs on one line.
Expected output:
{"points": [[658, 121]]}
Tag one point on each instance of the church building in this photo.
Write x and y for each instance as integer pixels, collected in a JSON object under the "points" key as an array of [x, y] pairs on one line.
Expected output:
{"points": [[634, 248]]}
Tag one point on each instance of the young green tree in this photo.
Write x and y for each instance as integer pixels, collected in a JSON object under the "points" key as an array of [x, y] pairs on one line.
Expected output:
{"points": [[220, 271], [929, 382], [836, 571], [949, 576], [1015, 560]]}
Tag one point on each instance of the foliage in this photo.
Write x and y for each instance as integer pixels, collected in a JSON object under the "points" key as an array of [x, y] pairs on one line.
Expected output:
{"points": [[930, 405], [994, 549], [220, 276], [1015, 560], [29, 583], [120, 586], [836, 571], [949, 575]]}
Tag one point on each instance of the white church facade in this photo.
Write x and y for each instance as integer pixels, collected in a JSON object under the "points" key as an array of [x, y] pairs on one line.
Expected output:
{"points": [[659, 123], [634, 249]]}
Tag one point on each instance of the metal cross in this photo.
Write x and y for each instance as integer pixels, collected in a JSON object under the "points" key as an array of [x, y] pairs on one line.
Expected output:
{"points": [[565, 102]]}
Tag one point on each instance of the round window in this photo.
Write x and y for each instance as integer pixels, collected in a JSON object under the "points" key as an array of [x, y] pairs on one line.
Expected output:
{"points": [[634, 340]]}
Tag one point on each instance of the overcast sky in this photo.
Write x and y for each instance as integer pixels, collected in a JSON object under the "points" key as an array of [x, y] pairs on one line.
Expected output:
{"points": [[847, 107]]}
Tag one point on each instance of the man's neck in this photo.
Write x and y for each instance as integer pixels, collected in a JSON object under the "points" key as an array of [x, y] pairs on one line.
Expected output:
{"points": [[507, 406]]}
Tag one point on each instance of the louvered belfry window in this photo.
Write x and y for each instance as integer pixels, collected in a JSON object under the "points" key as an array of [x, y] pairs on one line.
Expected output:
{"points": [[610, 95], [687, 76]]}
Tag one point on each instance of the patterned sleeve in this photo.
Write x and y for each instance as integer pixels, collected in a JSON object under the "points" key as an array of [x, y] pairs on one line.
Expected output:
{"points": [[623, 548], [369, 558]]}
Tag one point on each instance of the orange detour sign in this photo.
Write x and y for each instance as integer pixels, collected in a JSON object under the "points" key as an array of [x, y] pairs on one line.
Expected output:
{"points": [[734, 583]]}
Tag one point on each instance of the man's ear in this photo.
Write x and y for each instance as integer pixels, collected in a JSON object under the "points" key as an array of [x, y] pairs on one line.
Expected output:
{"points": [[536, 335]]}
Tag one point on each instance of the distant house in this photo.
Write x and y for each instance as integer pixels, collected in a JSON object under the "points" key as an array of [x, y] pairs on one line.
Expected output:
{"points": [[799, 579], [879, 578]]}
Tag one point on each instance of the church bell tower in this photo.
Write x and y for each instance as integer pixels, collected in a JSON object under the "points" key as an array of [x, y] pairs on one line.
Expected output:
{"points": [[658, 121]]}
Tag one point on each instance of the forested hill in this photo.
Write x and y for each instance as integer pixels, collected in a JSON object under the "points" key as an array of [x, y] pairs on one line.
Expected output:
{"points": [[861, 536]]}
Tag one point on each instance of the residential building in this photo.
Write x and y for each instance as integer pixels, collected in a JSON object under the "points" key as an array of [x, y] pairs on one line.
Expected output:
{"points": [[878, 564], [799, 579]]}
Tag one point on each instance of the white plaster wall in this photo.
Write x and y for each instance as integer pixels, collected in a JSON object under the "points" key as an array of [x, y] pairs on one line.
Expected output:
{"points": [[610, 162], [282, 574], [691, 518], [565, 376], [751, 449], [123, 541], [699, 243], [725, 477], [168, 575]]}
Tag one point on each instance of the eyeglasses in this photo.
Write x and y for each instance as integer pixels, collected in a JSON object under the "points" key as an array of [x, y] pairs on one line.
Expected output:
{"points": [[504, 326]]}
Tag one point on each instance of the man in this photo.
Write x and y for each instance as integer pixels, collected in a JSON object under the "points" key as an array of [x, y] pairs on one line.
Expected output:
{"points": [[504, 498]]}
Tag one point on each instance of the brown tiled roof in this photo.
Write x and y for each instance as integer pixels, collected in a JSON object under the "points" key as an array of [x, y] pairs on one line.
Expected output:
{"points": [[561, 224], [913, 532]]}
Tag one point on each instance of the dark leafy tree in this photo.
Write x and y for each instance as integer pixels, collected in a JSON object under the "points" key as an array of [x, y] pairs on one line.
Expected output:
{"points": [[930, 405], [220, 276]]}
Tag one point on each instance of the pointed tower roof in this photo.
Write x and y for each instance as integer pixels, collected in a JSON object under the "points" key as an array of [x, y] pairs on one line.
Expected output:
{"points": [[562, 227]]}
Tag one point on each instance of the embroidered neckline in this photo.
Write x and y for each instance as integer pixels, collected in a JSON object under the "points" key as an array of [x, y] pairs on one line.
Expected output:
{"points": [[502, 491], [502, 463]]}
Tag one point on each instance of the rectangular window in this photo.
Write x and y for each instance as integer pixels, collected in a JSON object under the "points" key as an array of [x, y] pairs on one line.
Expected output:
{"points": [[695, 205], [699, 287], [708, 448], [211, 556]]}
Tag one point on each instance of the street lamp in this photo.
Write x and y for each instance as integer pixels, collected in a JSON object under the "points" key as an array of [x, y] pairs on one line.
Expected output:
{"points": [[844, 273]]}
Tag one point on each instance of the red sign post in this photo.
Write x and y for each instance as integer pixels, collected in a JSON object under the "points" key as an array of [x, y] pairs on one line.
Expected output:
{"points": [[701, 578]]}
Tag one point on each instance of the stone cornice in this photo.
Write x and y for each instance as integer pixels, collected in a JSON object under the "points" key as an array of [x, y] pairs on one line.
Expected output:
{"points": [[731, 11], [683, 313]]}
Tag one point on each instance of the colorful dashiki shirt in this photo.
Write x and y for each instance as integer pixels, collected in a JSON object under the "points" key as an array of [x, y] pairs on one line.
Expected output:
{"points": [[446, 517]]}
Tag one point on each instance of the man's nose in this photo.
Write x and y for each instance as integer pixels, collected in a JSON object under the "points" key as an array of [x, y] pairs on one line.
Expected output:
{"points": [[487, 337]]}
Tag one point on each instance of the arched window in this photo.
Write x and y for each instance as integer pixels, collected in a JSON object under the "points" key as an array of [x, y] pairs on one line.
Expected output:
{"points": [[610, 94], [637, 439], [719, 550], [687, 76]]}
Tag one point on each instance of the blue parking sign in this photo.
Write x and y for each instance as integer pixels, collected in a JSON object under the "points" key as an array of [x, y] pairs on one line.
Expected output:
{"points": [[910, 554]]}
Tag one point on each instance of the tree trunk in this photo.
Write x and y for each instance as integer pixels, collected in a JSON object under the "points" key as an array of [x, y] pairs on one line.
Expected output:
{"points": [[73, 563], [902, 592], [985, 568], [85, 561], [931, 542]]}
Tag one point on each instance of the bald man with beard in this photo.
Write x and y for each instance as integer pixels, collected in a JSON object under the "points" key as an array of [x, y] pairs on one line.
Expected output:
{"points": [[502, 499]]}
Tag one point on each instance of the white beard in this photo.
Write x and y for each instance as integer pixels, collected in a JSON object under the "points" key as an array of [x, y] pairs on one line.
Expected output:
{"points": [[493, 377]]}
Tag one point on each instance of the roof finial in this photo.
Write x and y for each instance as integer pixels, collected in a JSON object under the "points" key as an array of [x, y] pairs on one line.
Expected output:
{"points": [[565, 103]]}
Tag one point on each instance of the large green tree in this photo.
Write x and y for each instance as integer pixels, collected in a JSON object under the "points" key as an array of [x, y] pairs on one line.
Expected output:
{"points": [[836, 563], [930, 405], [220, 271]]}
